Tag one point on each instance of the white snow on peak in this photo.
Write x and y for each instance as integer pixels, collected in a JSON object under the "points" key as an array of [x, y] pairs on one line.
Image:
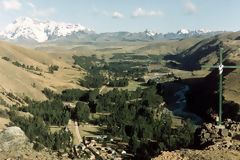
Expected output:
{"points": [[41, 31], [203, 30], [183, 31], [198, 32], [150, 33]]}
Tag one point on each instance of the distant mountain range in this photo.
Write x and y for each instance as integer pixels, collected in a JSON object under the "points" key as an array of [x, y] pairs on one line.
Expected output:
{"points": [[28, 29]]}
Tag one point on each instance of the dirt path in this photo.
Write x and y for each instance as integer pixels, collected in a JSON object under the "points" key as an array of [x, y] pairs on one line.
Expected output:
{"points": [[102, 89], [74, 129], [77, 132]]}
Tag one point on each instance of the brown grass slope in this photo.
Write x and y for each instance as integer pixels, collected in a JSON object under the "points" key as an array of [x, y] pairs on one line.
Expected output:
{"points": [[23, 82]]}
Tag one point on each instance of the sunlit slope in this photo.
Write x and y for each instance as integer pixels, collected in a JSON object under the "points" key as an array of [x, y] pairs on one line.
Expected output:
{"points": [[25, 82]]}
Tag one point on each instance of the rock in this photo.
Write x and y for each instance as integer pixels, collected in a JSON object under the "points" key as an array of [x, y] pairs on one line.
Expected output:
{"points": [[209, 134], [228, 120], [214, 135], [13, 138], [206, 135], [223, 132], [209, 126], [14, 144], [170, 155]]}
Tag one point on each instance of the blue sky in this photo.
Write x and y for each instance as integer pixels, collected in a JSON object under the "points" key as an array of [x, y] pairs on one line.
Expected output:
{"points": [[129, 15]]}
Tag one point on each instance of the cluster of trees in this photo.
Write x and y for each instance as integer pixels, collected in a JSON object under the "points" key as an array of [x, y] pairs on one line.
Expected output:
{"points": [[132, 119], [93, 81], [159, 136], [73, 95], [53, 68], [155, 58], [70, 95], [107, 102], [130, 69], [52, 112], [39, 133], [89, 63], [50, 94], [94, 66], [150, 98], [81, 112], [28, 67], [118, 82], [145, 97]]}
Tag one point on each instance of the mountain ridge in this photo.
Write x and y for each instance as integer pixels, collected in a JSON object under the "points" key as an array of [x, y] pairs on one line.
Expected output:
{"points": [[28, 29], [40, 31]]}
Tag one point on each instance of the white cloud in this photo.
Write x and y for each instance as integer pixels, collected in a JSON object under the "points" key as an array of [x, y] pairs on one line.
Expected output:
{"points": [[117, 15], [139, 12], [190, 7], [36, 12], [11, 5]]}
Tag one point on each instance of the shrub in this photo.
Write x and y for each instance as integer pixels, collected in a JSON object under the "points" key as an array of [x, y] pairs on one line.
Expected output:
{"points": [[53, 68], [6, 58]]}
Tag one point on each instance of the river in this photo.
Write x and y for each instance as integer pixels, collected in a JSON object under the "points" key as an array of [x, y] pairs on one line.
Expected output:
{"points": [[181, 104]]}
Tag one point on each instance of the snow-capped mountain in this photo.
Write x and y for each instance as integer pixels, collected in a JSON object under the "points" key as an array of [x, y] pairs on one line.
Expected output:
{"points": [[40, 31], [183, 31], [25, 29], [194, 32], [150, 33], [203, 31]]}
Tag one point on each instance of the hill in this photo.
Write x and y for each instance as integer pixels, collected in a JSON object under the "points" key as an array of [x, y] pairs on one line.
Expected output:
{"points": [[25, 72], [205, 51]]}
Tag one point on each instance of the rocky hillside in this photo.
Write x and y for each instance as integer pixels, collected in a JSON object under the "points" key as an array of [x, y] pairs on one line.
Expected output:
{"points": [[15, 145], [203, 95], [221, 143]]}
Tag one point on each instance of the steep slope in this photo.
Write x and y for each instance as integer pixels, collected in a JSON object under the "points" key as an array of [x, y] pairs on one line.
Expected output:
{"points": [[23, 81], [204, 91], [14, 144], [205, 52]]}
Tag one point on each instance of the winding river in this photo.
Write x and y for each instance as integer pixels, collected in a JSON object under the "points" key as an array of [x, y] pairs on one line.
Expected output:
{"points": [[181, 104]]}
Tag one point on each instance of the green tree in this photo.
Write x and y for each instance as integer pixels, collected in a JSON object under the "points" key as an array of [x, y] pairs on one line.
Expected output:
{"points": [[82, 112]]}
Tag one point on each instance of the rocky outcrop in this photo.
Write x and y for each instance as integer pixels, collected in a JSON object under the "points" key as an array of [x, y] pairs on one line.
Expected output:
{"points": [[216, 142], [188, 154], [12, 139], [222, 137], [14, 144]]}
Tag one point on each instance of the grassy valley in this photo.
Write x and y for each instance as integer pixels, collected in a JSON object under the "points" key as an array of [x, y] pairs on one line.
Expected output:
{"points": [[121, 96]]}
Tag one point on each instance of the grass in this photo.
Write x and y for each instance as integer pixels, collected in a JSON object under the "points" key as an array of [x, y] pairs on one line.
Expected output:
{"points": [[132, 86], [90, 129], [3, 123], [54, 129]]}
